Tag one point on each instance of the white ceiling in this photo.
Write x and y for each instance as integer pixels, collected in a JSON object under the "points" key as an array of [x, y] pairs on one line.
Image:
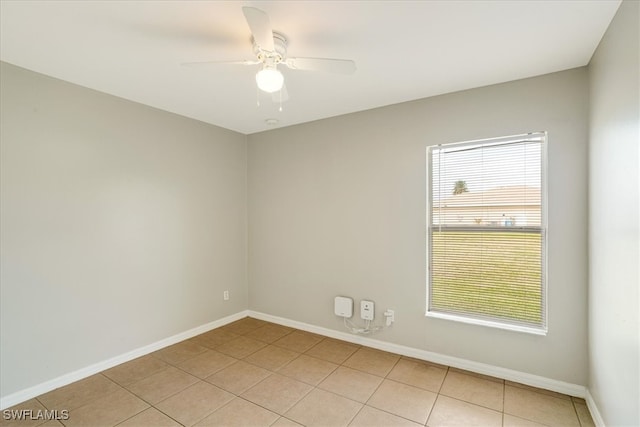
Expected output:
{"points": [[404, 50]]}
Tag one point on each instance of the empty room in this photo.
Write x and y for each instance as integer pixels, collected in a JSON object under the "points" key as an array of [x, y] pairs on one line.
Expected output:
{"points": [[320, 213]]}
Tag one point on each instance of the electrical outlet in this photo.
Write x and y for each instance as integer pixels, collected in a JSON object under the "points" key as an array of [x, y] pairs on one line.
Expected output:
{"points": [[225, 295], [366, 310], [390, 315]]}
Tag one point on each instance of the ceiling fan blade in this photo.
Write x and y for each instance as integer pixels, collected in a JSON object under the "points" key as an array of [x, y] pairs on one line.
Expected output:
{"points": [[260, 27], [281, 95], [209, 63], [341, 66]]}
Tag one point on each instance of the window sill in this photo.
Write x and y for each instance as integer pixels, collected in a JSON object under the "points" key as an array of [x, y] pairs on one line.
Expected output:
{"points": [[491, 324]]}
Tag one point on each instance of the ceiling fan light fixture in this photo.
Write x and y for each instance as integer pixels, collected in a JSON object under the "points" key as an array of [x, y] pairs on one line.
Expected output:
{"points": [[269, 79]]}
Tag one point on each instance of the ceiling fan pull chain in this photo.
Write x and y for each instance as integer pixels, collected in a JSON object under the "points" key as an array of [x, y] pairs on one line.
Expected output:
{"points": [[280, 109], [257, 97]]}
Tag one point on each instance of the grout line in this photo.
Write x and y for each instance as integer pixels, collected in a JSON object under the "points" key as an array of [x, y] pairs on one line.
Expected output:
{"points": [[164, 413], [435, 402], [357, 413], [437, 395], [446, 374], [575, 410], [504, 397]]}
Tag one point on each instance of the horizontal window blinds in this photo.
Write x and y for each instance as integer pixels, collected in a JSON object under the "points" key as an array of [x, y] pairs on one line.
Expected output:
{"points": [[486, 235]]}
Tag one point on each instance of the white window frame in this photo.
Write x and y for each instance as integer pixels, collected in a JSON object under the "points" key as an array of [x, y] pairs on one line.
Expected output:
{"points": [[470, 318]]}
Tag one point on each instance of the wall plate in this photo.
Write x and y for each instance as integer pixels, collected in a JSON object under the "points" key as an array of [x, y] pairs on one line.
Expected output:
{"points": [[343, 306]]}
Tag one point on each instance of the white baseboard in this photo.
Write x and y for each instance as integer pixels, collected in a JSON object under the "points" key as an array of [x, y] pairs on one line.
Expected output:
{"points": [[593, 408], [469, 365], [31, 392]]}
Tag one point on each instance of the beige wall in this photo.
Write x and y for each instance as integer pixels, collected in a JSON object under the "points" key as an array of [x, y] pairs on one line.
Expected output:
{"points": [[121, 226], [614, 221], [337, 207]]}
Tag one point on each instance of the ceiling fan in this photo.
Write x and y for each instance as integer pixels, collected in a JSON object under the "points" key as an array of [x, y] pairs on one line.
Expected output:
{"points": [[270, 48]]}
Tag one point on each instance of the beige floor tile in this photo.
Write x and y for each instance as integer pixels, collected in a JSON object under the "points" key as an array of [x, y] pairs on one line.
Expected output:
{"points": [[475, 374], [331, 350], [178, 353], [241, 347], [538, 407], [244, 326], [272, 357], [194, 403], [351, 383], [238, 377], [163, 384], [150, 418], [299, 341], [538, 390], [584, 416], [207, 363], [403, 400], [369, 417], [214, 338], [78, 393], [240, 413], [308, 369], [135, 370], [418, 374], [373, 361], [322, 408], [285, 422], [513, 421], [277, 393], [473, 389], [269, 333], [107, 411], [452, 412], [414, 359], [25, 414], [52, 423]]}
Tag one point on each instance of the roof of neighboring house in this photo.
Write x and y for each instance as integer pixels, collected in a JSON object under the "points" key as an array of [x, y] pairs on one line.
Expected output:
{"points": [[516, 195]]}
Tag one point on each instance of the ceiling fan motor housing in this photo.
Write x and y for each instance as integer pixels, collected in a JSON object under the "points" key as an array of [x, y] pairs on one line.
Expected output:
{"points": [[280, 49]]}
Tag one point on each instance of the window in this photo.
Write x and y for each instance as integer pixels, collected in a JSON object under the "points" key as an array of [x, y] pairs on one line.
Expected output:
{"points": [[486, 234]]}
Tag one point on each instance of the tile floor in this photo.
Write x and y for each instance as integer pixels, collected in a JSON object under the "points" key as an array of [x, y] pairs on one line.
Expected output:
{"points": [[255, 373]]}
